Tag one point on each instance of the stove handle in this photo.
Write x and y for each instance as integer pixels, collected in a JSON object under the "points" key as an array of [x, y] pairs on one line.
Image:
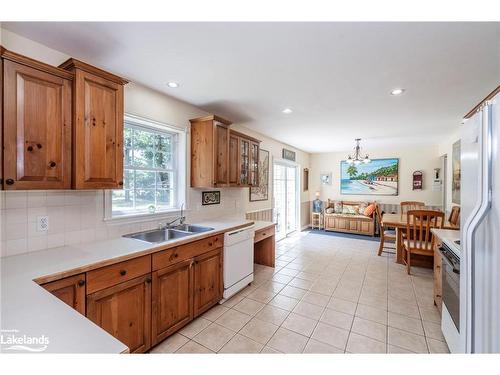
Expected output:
{"points": [[448, 260]]}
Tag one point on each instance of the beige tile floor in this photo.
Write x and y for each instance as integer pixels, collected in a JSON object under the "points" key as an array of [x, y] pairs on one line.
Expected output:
{"points": [[327, 294]]}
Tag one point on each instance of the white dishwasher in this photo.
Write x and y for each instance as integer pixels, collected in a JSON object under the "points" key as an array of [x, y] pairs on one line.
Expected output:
{"points": [[238, 260]]}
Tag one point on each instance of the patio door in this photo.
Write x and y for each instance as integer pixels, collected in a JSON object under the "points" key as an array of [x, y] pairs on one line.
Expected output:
{"points": [[285, 198]]}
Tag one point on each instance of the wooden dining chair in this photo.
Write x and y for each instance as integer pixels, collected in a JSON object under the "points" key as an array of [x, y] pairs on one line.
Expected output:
{"points": [[410, 205], [419, 239], [386, 234], [454, 215]]}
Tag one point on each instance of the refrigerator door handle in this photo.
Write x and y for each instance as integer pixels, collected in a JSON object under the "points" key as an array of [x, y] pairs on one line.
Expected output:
{"points": [[486, 170]]}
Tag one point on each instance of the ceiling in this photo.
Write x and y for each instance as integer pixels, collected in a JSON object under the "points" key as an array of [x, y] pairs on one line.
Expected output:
{"points": [[335, 76]]}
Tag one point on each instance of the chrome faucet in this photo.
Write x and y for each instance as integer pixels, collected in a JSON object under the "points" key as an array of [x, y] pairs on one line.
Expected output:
{"points": [[181, 220]]}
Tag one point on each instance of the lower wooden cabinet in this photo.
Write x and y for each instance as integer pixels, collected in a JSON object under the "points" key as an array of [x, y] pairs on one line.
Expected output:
{"points": [[124, 311], [172, 299], [438, 274], [207, 281], [70, 290]]}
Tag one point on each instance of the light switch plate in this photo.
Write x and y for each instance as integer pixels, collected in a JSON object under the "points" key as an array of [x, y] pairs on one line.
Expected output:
{"points": [[42, 223]]}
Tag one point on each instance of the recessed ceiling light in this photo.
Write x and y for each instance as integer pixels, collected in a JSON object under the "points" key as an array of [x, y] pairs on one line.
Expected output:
{"points": [[287, 111], [173, 85], [396, 92]]}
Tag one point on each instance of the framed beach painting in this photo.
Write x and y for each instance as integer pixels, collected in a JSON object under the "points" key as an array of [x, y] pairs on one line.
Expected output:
{"points": [[379, 177]]}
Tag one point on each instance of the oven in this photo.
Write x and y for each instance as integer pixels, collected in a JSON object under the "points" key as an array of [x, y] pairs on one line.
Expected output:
{"points": [[450, 323]]}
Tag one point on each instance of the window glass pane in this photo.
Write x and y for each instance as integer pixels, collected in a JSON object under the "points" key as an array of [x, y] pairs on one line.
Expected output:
{"points": [[149, 175]]}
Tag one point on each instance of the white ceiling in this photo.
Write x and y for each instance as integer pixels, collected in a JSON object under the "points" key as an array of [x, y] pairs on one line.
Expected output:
{"points": [[335, 76]]}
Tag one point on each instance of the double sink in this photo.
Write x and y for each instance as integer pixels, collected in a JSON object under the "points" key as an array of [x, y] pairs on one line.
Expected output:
{"points": [[168, 234]]}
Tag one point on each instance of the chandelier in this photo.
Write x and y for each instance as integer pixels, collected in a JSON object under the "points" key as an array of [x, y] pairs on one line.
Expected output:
{"points": [[356, 158]]}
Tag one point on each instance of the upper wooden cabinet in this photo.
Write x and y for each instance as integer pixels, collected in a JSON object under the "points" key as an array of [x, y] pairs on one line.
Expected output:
{"points": [[37, 124], [244, 160], [209, 152], [221, 157], [98, 127]]}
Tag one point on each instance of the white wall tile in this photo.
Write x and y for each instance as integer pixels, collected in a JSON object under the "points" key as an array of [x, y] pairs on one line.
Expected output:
{"points": [[37, 199]]}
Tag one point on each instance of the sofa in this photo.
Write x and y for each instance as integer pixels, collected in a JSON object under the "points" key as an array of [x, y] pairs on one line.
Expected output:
{"points": [[349, 217]]}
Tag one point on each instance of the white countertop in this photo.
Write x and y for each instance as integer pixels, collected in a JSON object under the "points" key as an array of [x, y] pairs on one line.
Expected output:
{"points": [[449, 236], [258, 224], [32, 311]]}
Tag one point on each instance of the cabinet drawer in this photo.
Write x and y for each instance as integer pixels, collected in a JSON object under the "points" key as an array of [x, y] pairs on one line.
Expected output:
{"points": [[117, 273], [263, 233], [176, 254]]}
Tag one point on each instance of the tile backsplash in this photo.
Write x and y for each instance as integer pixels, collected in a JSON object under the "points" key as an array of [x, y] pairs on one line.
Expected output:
{"points": [[77, 216]]}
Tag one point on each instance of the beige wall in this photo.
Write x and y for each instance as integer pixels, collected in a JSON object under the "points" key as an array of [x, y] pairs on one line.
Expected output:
{"points": [[423, 158]]}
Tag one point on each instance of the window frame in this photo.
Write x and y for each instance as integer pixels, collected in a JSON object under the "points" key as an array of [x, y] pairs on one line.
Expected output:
{"points": [[179, 169]]}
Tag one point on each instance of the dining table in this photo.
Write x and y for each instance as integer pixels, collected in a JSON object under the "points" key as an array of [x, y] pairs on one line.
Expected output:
{"points": [[399, 222]]}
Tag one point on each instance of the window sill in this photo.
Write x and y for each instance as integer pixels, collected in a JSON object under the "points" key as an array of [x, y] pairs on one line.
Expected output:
{"points": [[139, 218]]}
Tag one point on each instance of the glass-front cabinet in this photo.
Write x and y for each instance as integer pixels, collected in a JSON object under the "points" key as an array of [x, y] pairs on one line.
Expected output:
{"points": [[243, 160]]}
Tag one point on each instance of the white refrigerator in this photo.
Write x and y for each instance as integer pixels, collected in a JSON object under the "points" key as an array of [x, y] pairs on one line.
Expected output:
{"points": [[479, 327]]}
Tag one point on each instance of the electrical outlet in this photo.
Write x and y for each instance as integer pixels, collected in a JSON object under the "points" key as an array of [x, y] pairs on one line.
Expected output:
{"points": [[42, 223]]}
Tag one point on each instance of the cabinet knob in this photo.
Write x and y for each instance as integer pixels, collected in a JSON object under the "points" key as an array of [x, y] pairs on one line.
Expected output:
{"points": [[120, 183], [81, 282], [210, 244], [30, 148], [39, 145], [123, 272], [9, 181], [176, 255], [52, 164], [148, 280]]}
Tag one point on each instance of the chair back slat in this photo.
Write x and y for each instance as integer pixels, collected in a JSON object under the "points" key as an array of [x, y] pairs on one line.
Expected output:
{"points": [[418, 227], [410, 205]]}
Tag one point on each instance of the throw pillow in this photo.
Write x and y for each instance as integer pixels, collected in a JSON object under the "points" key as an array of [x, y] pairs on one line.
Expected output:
{"points": [[348, 209], [362, 208], [338, 207], [330, 203], [329, 210], [370, 210]]}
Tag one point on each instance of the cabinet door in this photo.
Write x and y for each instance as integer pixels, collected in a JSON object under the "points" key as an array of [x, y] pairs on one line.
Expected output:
{"points": [[207, 281], [37, 129], [438, 286], [70, 290], [234, 160], [172, 299], [98, 136], [221, 152], [244, 161], [254, 164], [124, 311]]}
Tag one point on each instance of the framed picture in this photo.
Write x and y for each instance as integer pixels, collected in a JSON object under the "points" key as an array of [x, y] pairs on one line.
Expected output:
{"points": [[456, 170], [305, 179], [326, 178], [210, 197], [261, 192], [288, 154], [379, 177]]}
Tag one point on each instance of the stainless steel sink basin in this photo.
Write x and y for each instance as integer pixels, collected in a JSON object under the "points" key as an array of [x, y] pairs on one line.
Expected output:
{"points": [[193, 228], [159, 235]]}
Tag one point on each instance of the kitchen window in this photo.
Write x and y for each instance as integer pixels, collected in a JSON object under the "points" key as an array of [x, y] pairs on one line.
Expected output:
{"points": [[154, 170]]}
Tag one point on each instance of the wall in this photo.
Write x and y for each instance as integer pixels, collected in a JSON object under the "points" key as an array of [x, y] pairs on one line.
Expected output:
{"points": [[446, 148], [423, 158]]}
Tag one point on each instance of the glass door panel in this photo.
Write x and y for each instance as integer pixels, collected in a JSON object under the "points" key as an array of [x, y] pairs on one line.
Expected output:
{"points": [[285, 199], [244, 161]]}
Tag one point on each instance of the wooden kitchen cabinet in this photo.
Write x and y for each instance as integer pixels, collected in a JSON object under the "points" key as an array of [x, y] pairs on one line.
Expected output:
{"points": [[37, 124], [70, 290], [207, 281], [172, 299], [209, 152], [243, 160], [438, 288], [98, 127], [124, 311]]}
